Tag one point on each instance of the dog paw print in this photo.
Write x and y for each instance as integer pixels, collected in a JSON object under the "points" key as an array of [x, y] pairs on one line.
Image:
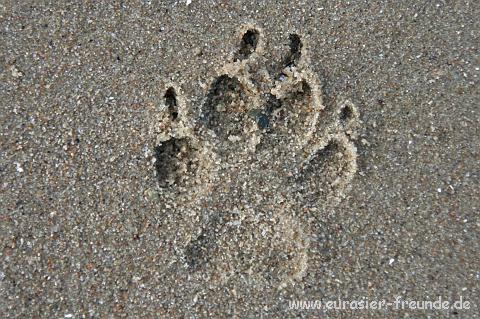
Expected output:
{"points": [[256, 167]]}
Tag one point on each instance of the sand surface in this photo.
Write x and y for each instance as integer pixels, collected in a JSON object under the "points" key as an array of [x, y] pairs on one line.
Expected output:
{"points": [[218, 159]]}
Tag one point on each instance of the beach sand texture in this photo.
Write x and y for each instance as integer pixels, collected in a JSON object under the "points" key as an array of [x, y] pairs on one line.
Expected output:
{"points": [[217, 159]]}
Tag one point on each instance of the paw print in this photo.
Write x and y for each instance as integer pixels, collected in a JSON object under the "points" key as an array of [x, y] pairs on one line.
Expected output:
{"points": [[256, 168]]}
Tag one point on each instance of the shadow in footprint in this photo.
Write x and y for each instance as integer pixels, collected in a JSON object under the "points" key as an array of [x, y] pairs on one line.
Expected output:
{"points": [[248, 44], [171, 103], [295, 53], [174, 162], [346, 113], [225, 106]]}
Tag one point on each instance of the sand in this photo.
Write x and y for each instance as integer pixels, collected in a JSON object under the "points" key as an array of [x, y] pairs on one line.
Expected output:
{"points": [[217, 159]]}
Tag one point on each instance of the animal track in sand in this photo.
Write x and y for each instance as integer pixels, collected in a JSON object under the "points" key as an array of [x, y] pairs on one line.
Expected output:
{"points": [[257, 166]]}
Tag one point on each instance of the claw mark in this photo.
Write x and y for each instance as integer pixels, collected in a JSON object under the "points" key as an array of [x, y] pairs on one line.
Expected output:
{"points": [[296, 46], [346, 113], [348, 117], [171, 103], [248, 44]]}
